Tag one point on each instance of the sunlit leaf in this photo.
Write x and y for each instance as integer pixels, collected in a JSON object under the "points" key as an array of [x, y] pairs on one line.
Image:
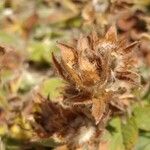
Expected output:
{"points": [[143, 142], [130, 133], [41, 51], [142, 116], [117, 138], [52, 87]]}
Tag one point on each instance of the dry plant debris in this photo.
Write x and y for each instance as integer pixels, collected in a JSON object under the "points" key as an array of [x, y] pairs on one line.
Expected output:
{"points": [[97, 101]]}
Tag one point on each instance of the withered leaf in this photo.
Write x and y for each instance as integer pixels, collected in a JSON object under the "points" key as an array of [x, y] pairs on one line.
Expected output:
{"points": [[98, 109], [11, 59], [58, 67], [29, 23], [128, 76], [130, 47], [72, 74], [83, 44], [111, 34], [68, 54]]}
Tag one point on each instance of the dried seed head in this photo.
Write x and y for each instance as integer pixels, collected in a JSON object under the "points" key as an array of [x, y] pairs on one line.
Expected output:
{"points": [[99, 74], [94, 66]]}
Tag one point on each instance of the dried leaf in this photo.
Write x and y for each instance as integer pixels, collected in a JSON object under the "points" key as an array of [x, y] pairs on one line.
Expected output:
{"points": [[68, 54], [58, 67], [111, 34], [83, 44], [98, 109], [129, 76]]}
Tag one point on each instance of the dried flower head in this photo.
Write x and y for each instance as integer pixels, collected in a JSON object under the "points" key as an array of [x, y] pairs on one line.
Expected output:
{"points": [[100, 73]]}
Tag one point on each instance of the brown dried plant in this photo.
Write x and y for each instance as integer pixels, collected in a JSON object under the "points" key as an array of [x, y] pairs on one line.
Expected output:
{"points": [[10, 58], [135, 26], [100, 74]]}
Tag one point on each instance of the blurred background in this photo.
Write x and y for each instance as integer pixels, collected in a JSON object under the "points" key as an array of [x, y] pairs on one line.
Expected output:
{"points": [[29, 31]]}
